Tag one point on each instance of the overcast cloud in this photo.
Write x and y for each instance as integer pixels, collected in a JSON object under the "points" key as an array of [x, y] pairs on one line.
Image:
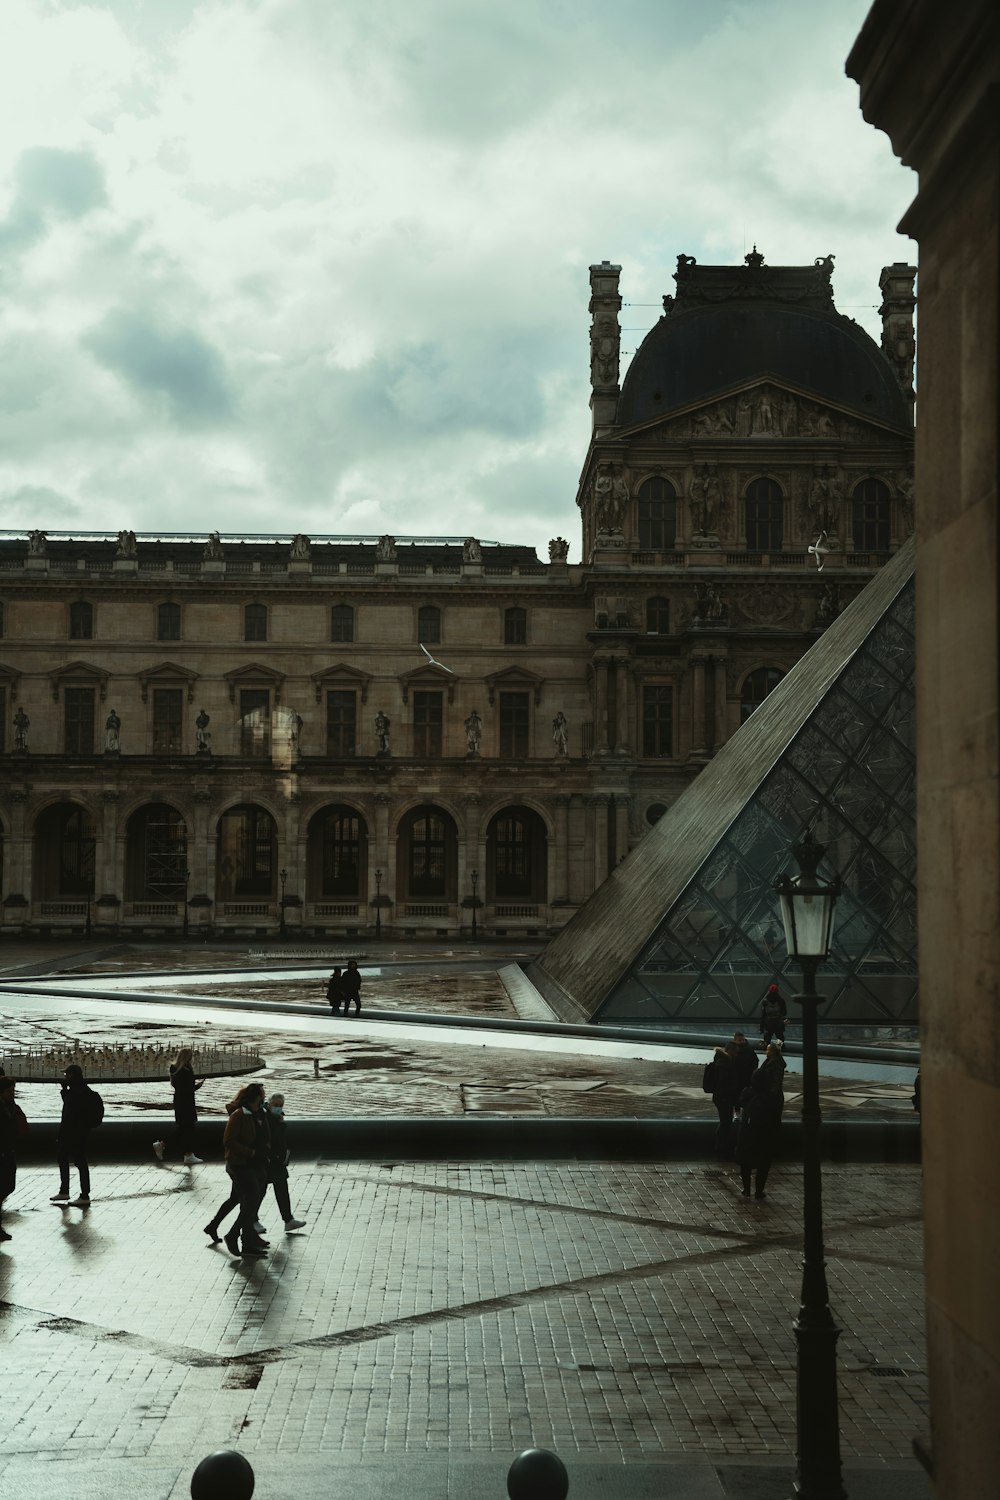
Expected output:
{"points": [[321, 265]]}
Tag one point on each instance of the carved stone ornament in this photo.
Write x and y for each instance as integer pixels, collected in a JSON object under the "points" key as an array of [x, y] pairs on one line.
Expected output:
{"points": [[300, 548], [213, 548], [764, 603], [37, 544], [558, 549], [385, 549], [472, 552], [126, 545]]}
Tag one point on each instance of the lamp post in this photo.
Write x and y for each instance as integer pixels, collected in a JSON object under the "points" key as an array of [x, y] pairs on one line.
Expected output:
{"points": [[474, 877], [807, 907], [282, 929], [378, 904]]}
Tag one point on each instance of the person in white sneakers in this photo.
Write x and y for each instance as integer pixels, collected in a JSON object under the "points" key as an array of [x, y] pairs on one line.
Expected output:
{"points": [[185, 1109], [277, 1174]]}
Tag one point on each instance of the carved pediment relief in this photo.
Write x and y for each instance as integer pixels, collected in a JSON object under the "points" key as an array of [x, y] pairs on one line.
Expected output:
{"points": [[167, 674], [512, 680], [344, 677], [427, 678], [79, 674], [254, 674], [765, 410]]}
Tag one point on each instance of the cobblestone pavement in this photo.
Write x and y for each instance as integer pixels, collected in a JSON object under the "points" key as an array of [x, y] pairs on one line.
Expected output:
{"points": [[626, 1312]]}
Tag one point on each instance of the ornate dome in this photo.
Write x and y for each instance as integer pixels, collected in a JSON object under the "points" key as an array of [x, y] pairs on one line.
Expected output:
{"points": [[729, 325]]}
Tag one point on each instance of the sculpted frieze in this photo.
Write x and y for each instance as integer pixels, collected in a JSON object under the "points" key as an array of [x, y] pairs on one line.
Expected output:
{"points": [[764, 603]]}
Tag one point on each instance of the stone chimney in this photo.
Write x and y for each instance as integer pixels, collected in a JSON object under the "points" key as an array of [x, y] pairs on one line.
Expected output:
{"points": [[605, 345], [898, 340]]}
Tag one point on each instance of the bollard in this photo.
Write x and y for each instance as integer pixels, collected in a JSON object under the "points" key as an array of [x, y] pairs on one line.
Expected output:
{"points": [[537, 1474], [223, 1475]]}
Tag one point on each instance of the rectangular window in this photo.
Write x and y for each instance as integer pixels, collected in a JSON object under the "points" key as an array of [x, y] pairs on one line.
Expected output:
{"points": [[81, 621], [428, 718], [658, 721], [255, 722], [515, 718], [79, 723], [341, 723], [168, 622], [168, 720]]}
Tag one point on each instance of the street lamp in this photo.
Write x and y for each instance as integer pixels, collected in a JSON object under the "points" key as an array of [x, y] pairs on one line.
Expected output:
{"points": [[282, 929], [474, 877], [378, 903], [807, 907]]}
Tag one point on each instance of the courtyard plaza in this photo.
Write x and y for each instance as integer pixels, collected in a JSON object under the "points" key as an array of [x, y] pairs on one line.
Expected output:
{"points": [[434, 1317]]}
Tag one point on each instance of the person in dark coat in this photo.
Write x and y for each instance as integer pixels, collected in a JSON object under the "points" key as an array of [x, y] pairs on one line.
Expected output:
{"points": [[725, 1093], [773, 1015], [72, 1141], [772, 1072], [746, 1060], [335, 991], [247, 1150], [274, 1108], [352, 987], [757, 1135], [13, 1126], [182, 1081]]}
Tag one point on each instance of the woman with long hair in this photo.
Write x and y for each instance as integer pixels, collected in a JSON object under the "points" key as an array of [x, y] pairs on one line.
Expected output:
{"points": [[182, 1081]]}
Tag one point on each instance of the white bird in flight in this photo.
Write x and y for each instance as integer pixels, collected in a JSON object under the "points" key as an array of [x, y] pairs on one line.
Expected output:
{"points": [[432, 660], [819, 550]]}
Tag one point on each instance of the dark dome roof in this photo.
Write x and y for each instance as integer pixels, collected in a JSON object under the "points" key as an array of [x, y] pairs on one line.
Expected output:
{"points": [[698, 350]]}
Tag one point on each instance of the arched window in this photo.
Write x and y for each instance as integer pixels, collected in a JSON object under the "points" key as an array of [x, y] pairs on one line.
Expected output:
{"points": [[429, 625], [515, 626], [156, 854], [64, 852], [341, 623], [245, 853], [341, 857], [427, 864], [657, 502], [658, 616], [764, 516], [756, 686], [81, 621], [872, 511], [516, 846], [255, 622], [168, 622]]}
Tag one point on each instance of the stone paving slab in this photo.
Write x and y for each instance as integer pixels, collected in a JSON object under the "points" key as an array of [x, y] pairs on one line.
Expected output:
{"points": [[622, 1314]]}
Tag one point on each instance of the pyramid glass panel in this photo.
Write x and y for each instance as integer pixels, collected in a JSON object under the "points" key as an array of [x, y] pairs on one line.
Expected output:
{"points": [[848, 773]]}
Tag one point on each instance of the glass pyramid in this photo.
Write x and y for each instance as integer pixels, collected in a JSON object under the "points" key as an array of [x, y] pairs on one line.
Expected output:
{"points": [[849, 774]]}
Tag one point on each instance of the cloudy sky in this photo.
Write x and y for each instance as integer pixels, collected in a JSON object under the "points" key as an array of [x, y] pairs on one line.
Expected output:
{"points": [[321, 265]]}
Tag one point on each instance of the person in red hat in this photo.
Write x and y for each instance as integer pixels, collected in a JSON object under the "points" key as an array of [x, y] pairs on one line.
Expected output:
{"points": [[773, 1015]]}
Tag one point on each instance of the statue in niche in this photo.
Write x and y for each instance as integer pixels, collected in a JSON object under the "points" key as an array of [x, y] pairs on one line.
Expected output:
{"points": [[300, 548], [789, 417], [213, 548], [21, 726], [558, 549], [708, 604], [744, 416], [382, 728], [829, 604], [37, 544], [472, 552], [705, 501], [619, 500], [126, 545], [385, 549], [203, 734], [112, 733], [904, 489], [473, 732], [604, 350], [560, 733]]}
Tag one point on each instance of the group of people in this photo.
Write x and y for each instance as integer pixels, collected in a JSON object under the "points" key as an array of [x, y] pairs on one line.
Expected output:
{"points": [[344, 989], [749, 1098]]}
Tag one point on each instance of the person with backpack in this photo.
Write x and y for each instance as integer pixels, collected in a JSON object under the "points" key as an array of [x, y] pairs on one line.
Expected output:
{"points": [[773, 1015], [82, 1112]]}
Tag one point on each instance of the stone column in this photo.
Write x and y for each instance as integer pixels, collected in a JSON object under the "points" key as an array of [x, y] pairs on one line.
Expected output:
{"points": [[930, 78], [293, 860], [697, 665], [720, 701], [600, 705], [605, 344], [577, 858], [381, 855], [201, 848], [18, 852], [560, 887], [621, 828], [598, 808], [623, 728]]}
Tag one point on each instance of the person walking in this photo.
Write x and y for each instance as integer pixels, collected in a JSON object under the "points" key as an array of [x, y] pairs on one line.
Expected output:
{"points": [[773, 1015], [725, 1093], [757, 1135], [277, 1174], [82, 1109], [335, 991], [183, 1083], [351, 987], [246, 1145], [13, 1126]]}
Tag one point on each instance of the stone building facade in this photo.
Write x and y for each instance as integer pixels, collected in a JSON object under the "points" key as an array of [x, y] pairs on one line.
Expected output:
{"points": [[334, 735]]}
